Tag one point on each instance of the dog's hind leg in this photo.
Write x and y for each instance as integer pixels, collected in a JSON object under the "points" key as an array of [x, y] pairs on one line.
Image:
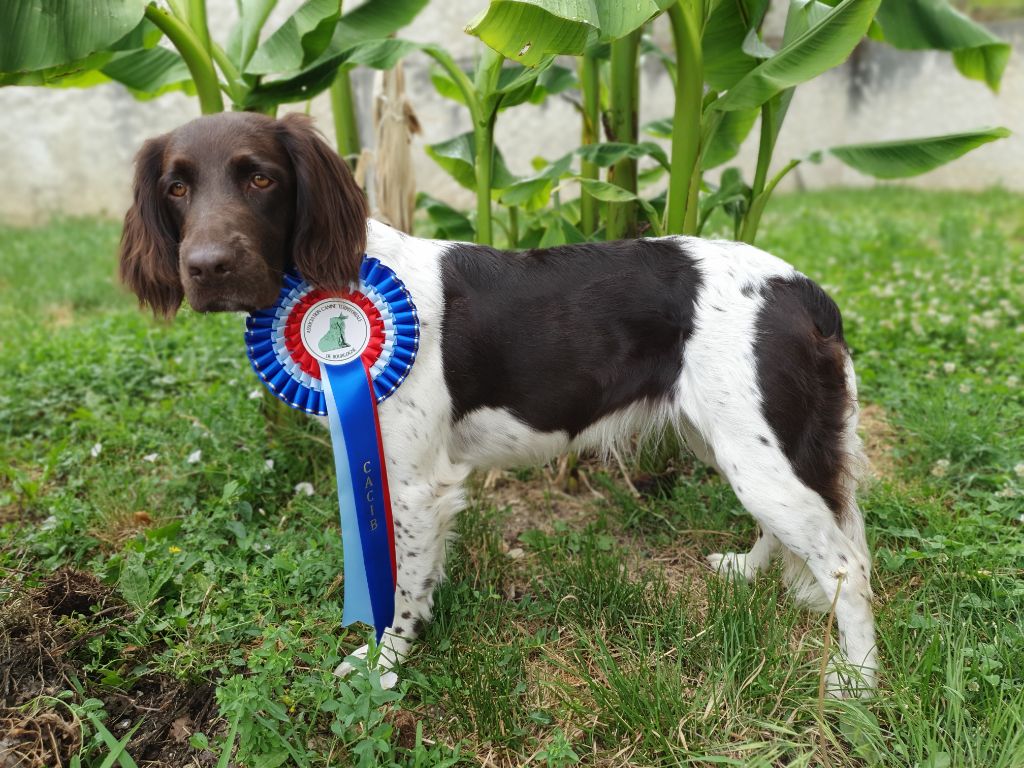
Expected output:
{"points": [[747, 564], [780, 418], [424, 506]]}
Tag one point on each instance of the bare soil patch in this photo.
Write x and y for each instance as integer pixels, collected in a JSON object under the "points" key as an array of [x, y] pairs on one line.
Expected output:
{"points": [[41, 627], [879, 437]]}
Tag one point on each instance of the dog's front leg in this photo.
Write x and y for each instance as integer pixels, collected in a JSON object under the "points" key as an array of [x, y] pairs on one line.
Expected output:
{"points": [[423, 505]]}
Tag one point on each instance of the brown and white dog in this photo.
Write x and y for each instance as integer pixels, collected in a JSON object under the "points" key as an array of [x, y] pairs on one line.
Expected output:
{"points": [[526, 355]]}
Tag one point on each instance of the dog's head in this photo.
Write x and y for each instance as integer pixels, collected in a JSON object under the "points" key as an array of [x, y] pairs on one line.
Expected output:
{"points": [[225, 204]]}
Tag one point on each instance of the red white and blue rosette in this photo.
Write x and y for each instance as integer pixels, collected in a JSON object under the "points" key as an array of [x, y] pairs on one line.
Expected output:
{"points": [[338, 354]]}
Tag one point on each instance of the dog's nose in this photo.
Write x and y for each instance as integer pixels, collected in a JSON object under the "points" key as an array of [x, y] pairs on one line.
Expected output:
{"points": [[209, 261]]}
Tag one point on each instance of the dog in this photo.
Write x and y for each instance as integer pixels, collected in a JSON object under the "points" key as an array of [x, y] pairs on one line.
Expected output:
{"points": [[526, 355]]}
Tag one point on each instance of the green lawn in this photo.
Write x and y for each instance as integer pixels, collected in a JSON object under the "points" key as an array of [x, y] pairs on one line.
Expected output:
{"points": [[162, 587], [992, 10]]}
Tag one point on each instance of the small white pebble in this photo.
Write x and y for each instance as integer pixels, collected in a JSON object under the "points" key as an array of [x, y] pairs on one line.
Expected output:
{"points": [[515, 553], [194, 457], [151, 457], [96, 450], [304, 489]]}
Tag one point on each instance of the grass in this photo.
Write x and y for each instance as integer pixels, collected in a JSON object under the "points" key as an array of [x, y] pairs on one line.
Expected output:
{"points": [[165, 590], [991, 10]]}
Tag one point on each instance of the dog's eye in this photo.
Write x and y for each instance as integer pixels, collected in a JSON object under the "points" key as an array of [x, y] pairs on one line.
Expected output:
{"points": [[260, 181], [177, 189]]}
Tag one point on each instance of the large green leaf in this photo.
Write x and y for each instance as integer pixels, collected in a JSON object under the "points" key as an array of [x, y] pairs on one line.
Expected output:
{"points": [[824, 45], [245, 35], [39, 34], [727, 138], [923, 24], [608, 153], [448, 223], [534, 192], [299, 41], [728, 26], [558, 230], [446, 86], [457, 156], [910, 157], [361, 37], [733, 195], [528, 30], [317, 77], [148, 72], [612, 193], [83, 73], [375, 19], [516, 84]]}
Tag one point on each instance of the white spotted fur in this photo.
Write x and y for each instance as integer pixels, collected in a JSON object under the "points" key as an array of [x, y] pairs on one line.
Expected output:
{"points": [[715, 406]]}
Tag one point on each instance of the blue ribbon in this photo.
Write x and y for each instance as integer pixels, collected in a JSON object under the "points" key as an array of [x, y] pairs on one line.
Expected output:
{"points": [[362, 496]]}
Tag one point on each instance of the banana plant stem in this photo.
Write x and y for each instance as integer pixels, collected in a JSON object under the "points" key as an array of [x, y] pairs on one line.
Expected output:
{"points": [[623, 97], [686, 19], [483, 135], [483, 129], [590, 84], [197, 22], [346, 125], [196, 57]]}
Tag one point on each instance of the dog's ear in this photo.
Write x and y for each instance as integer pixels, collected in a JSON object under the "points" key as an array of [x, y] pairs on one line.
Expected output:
{"points": [[329, 234], [149, 242]]}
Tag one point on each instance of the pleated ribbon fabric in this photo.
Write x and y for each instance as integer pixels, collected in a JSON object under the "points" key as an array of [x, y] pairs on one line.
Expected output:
{"points": [[339, 354]]}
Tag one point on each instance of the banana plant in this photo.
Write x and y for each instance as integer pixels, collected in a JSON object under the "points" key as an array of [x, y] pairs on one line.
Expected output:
{"points": [[726, 77], [53, 42], [817, 37], [527, 32], [472, 158]]}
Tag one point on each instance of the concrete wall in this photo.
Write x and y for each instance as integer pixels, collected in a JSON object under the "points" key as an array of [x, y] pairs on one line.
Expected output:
{"points": [[70, 151]]}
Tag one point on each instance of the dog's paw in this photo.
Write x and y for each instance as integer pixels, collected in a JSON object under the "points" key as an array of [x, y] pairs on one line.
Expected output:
{"points": [[388, 679], [843, 685], [731, 563]]}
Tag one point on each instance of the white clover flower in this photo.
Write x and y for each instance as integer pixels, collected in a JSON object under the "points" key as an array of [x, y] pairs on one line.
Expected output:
{"points": [[965, 388], [1012, 381], [269, 465], [1018, 469], [949, 367], [195, 457], [96, 450], [256, 394], [151, 457], [304, 489], [941, 468]]}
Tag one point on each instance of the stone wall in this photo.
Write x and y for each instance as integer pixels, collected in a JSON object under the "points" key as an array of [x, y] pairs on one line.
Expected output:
{"points": [[69, 151]]}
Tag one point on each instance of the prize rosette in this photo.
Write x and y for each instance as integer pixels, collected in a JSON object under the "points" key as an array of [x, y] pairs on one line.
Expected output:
{"points": [[338, 354]]}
